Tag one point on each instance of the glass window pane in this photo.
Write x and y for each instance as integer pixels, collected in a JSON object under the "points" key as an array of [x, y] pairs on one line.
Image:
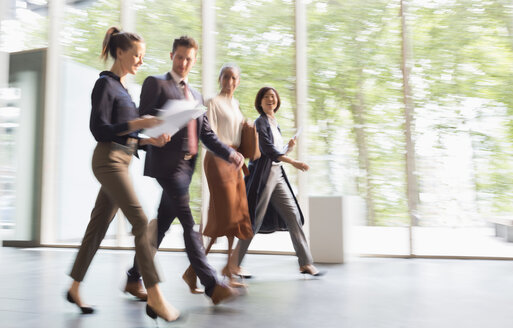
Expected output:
{"points": [[24, 26], [463, 64], [356, 115], [23, 29], [83, 30]]}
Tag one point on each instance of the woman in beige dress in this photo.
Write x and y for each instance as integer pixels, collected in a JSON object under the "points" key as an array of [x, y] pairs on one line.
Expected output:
{"points": [[228, 207]]}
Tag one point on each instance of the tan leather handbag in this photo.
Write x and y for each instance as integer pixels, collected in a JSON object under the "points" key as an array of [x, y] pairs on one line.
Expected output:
{"points": [[249, 142]]}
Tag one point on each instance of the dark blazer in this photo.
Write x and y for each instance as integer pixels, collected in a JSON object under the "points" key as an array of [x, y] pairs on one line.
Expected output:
{"points": [[259, 174], [163, 162]]}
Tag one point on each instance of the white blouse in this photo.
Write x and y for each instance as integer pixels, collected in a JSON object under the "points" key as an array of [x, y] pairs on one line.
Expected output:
{"points": [[225, 119], [278, 139]]}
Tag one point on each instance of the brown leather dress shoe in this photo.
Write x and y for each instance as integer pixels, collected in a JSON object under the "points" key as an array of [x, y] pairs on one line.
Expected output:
{"points": [[189, 276], [136, 289], [223, 294]]}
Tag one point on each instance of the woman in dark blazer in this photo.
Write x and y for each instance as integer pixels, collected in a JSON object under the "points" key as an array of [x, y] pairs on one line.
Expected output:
{"points": [[115, 124], [272, 204]]}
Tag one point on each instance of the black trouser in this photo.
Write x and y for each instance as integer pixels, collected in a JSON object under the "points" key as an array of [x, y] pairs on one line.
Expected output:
{"points": [[175, 203]]}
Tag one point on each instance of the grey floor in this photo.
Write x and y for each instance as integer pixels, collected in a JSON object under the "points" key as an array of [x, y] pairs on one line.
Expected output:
{"points": [[365, 292]]}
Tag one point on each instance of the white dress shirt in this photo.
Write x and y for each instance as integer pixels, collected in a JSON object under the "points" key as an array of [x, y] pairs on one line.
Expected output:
{"points": [[177, 79]]}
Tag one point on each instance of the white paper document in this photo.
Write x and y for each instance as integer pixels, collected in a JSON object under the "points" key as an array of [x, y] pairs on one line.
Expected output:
{"points": [[175, 115], [298, 132]]}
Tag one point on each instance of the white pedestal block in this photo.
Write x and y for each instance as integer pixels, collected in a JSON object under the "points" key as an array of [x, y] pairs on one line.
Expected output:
{"points": [[330, 218]]}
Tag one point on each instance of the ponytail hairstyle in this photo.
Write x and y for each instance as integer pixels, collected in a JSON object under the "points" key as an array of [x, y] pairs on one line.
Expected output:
{"points": [[114, 39]]}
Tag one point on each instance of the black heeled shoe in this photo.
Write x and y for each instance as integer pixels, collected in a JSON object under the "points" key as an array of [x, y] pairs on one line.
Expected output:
{"points": [[243, 274], [317, 274], [314, 274], [84, 309], [154, 315]]}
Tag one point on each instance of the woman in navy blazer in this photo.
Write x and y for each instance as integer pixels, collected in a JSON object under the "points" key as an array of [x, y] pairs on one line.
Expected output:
{"points": [[271, 201]]}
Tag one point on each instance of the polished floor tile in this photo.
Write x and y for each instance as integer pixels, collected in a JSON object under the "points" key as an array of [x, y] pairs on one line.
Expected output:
{"points": [[365, 292]]}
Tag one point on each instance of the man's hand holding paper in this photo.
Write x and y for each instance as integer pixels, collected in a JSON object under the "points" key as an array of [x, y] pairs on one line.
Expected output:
{"points": [[175, 115]]}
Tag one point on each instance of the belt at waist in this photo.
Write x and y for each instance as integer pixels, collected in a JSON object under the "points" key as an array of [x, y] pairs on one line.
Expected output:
{"points": [[131, 142], [125, 140], [130, 146]]}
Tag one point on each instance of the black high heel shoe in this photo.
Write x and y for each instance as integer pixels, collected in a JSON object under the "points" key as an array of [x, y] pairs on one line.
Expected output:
{"points": [[84, 309], [154, 315], [317, 274], [243, 274], [307, 270]]}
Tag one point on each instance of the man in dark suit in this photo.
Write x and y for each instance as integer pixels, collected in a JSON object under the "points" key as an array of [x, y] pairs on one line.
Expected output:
{"points": [[173, 166]]}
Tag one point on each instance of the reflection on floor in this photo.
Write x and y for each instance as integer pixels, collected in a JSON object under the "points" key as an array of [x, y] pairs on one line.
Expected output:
{"points": [[364, 292], [427, 241]]}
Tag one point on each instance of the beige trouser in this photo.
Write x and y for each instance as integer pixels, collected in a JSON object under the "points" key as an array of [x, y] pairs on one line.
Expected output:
{"points": [[110, 166]]}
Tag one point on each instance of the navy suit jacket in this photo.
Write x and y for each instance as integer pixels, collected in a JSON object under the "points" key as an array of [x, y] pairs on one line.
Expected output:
{"points": [[163, 162]]}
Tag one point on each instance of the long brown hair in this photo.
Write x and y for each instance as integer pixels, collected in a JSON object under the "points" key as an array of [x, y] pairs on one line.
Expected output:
{"points": [[114, 39]]}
